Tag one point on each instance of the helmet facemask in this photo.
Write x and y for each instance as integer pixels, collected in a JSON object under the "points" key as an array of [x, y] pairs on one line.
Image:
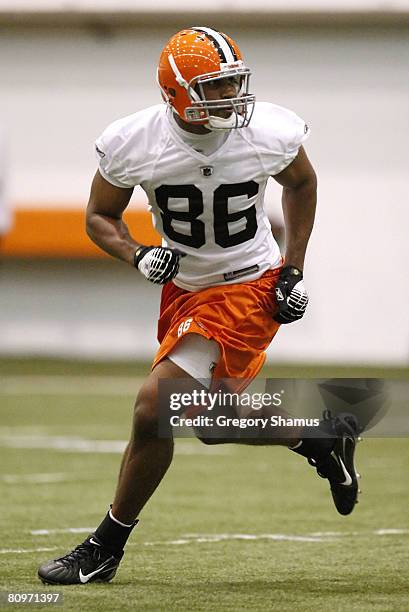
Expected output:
{"points": [[241, 106], [238, 109]]}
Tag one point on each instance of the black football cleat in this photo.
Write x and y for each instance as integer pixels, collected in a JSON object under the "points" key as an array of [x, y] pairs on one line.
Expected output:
{"points": [[89, 562], [338, 465]]}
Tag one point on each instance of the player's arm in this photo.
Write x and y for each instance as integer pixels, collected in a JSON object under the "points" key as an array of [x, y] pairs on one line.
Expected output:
{"points": [[105, 225], [107, 229], [299, 200]]}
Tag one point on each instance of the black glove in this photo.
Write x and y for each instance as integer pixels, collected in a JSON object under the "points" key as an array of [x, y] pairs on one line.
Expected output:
{"points": [[158, 264], [292, 298]]}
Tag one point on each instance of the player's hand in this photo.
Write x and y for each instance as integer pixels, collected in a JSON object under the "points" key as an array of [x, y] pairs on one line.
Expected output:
{"points": [[158, 264], [291, 295]]}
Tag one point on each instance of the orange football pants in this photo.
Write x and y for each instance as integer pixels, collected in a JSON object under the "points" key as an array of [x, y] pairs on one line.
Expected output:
{"points": [[239, 317]]}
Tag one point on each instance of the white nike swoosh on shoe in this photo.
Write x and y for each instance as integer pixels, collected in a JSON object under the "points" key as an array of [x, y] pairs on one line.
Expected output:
{"points": [[348, 480], [86, 577], [344, 440], [92, 541]]}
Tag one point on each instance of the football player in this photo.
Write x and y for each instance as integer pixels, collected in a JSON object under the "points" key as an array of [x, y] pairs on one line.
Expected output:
{"points": [[203, 159]]}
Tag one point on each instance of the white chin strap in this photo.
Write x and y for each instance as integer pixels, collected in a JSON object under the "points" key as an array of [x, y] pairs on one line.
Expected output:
{"points": [[221, 123]]}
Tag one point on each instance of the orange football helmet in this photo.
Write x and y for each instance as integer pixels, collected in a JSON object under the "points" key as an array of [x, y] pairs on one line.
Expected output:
{"points": [[198, 55]]}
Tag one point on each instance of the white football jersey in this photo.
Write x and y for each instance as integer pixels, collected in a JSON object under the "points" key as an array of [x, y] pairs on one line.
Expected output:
{"points": [[209, 206]]}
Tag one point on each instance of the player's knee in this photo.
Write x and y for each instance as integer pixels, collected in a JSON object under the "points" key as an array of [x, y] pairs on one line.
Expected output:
{"points": [[145, 422]]}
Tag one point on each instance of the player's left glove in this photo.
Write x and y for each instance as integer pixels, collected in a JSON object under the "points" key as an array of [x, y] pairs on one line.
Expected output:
{"points": [[158, 264], [291, 295]]}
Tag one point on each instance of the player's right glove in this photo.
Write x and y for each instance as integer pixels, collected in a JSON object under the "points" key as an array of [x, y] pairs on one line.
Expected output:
{"points": [[158, 264], [291, 295]]}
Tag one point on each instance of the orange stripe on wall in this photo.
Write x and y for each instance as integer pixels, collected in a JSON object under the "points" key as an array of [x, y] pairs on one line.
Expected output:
{"points": [[40, 232]]}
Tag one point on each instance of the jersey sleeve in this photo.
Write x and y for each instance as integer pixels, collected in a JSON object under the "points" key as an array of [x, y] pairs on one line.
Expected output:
{"points": [[284, 133], [110, 148]]}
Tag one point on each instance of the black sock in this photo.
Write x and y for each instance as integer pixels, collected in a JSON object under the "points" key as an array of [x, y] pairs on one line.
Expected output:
{"points": [[315, 443], [112, 534]]}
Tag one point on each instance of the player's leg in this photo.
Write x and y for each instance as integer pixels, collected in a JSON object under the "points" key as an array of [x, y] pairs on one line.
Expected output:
{"points": [[144, 463], [330, 448], [198, 357], [254, 435], [147, 456]]}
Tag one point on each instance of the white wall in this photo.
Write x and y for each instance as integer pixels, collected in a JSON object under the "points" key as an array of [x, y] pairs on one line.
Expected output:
{"points": [[59, 89], [211, 5]]}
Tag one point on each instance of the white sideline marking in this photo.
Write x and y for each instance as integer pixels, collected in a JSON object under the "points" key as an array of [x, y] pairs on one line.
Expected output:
{"points": [[82, 445], [379, 532], [62, 443], [328, 536], [71, 385], [42, 532], [20, 551], [328, 533], [42, 478], [204, 538], [391, 531], [187, 539], [221, 537]]}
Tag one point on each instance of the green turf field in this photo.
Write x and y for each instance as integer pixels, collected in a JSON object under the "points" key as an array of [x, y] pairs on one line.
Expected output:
{"points": [[231, 528]]}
